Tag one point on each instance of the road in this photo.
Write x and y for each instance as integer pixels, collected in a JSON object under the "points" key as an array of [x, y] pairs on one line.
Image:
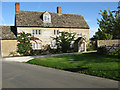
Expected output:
{"points": [[22, 75]]}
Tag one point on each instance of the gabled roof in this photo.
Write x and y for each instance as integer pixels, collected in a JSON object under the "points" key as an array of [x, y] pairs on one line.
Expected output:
{"points": [[8, 33], [31, 18]]}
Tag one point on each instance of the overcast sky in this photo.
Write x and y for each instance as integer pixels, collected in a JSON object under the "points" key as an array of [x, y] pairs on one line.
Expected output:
{"points": [[89, 10]]}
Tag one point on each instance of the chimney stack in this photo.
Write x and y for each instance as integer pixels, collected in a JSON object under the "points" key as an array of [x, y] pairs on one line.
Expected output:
{"points": [[17, 7], [59, 10]]}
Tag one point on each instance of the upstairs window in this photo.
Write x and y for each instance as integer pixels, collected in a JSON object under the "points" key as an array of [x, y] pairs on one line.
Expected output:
{"points": [[39, 32], [46, 17], [36, 32], [33, 32], [56, 32]]}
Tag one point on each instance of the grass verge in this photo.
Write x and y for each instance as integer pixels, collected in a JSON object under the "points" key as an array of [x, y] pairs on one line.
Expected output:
{"points": [[87, 63]]}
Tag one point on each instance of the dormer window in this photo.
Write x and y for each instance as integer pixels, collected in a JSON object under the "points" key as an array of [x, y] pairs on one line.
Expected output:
{"points": [[46, 17]]}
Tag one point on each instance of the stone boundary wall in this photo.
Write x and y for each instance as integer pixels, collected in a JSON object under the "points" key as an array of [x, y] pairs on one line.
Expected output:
{"points": [[7, 47], [101, 43]]}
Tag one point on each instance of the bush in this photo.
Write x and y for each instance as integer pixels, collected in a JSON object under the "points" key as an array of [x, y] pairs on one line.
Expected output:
{"points": [[35, 52], [102, 50], [91, 46], [90, 49], [54, 51], [24, 44], [64, 40]]}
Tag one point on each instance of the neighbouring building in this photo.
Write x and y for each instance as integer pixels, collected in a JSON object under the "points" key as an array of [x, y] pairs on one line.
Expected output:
{"points": [[44, 25]]}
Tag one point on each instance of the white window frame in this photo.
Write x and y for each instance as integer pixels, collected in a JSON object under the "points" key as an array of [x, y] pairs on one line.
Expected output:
{"points": [[46, 17], [33, 45], [40, 45], [79, 34], [36, 46], [53, 45]]}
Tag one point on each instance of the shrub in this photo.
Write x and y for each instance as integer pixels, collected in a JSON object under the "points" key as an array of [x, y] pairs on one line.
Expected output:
{"points": [[54, 51], [24, 45], [64, 40], [102, 50], [35, 52], [91, 46]]}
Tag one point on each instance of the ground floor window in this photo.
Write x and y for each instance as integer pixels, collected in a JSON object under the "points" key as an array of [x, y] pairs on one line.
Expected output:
{"points": [[36, 45], [79, 35], [53, 45]]}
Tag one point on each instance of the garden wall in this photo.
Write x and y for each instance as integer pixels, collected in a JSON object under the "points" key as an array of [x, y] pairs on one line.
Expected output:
{"points": [[101, 43], [8, 46], [108, 47]]}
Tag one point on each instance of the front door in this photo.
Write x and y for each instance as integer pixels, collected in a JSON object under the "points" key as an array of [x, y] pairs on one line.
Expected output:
{"points": [[82, 47]]}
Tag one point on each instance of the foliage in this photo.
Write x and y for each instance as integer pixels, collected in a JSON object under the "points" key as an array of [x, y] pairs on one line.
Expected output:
{"points": [[89, 63], [91, 46], [109, 26], [45, 49], [24, 45], [63, 41], [35, 52], [54, 51], [111, 50], [102, 50]]}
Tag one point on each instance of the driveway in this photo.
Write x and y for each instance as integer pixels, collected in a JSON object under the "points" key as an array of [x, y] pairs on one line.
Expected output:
{"points": [[27, 58], [22, 75]]}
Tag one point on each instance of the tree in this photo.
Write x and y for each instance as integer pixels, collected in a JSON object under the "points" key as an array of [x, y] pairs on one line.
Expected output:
{"points": [[109, 26], [24, 45], [64, 40]]}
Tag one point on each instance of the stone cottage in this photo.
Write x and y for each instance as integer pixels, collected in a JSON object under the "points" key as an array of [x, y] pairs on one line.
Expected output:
{"points": [[43, 25]]}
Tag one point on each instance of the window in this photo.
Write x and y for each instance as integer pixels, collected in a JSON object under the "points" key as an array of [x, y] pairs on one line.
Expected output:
{"points": [[79, 34], [33, 45], [56, 32], [40, 46], [36, 32], [46, 17], [37, 45], [53, 45], [39, 32], [33, 32]]}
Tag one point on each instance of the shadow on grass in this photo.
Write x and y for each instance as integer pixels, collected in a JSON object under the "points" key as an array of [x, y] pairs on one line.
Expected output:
{"points": [[92, 57], [77, 69]]}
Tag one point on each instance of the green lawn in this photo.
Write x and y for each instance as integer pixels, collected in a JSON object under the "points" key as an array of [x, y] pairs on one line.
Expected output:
{"points": [[89, 63]]}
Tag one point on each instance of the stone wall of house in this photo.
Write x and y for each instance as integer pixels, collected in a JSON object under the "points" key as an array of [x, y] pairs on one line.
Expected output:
{"points": [[107, 42], [47, 33], [8, 46]]}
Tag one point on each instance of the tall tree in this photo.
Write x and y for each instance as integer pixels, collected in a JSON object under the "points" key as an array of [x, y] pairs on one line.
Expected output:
{"points": [[109, 26]]}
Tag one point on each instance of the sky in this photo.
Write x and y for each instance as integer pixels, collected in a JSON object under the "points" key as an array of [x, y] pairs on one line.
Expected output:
{"points": [[89, 10]]}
